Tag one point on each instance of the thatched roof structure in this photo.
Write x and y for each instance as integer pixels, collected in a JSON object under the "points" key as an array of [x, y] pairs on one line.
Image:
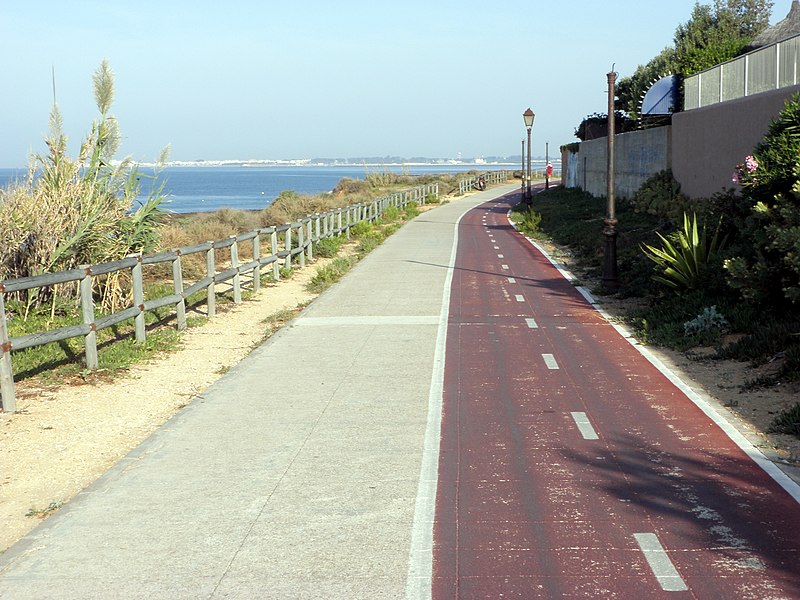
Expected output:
{"points": [[787, 28]]}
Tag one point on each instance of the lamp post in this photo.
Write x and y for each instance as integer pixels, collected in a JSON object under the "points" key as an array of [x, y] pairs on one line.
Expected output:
{"points": [[610, 230], [528, 116], [523, 169]]}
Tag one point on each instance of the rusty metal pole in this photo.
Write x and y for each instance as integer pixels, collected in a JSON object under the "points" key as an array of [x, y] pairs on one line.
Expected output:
{"points": [[546, 164], [528, 192], [610, 280]]}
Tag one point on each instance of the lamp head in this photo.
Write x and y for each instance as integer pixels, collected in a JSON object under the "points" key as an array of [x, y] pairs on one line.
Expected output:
{"points": [[528, 116]]}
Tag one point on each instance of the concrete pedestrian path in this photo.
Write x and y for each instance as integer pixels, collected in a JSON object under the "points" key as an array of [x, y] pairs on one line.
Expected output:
{"points": [[295, 476]]}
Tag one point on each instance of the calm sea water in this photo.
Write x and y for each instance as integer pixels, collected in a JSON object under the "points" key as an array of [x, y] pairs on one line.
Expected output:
{"points": [[202, 189]]}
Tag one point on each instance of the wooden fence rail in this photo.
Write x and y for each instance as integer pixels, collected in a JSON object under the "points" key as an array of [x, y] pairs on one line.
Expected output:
{"points": [[288, 245], [465, 185]]}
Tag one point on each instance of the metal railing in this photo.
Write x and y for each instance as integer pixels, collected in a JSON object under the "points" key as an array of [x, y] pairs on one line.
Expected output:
{"points": [[286, 243], [769, 68]]}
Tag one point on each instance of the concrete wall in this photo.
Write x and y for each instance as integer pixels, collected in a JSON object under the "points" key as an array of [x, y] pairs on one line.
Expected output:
{"points": [[638, 156], [709, 142]]}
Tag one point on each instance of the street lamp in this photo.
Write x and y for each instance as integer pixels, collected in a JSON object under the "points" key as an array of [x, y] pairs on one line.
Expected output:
{"points": [[528, 116]]}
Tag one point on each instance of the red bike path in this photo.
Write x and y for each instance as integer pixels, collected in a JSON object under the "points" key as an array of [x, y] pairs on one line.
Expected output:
{"points": [[570, 466]]}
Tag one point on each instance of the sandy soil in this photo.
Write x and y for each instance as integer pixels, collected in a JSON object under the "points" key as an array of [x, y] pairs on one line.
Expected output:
{"points": [[64, 437]]}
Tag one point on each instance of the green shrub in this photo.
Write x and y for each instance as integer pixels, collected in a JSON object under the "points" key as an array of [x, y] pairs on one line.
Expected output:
{"points": [[661, 196], [369, 241], [328, 275], [391, 213], [328, 247], [528, 221], [787, 421], [412, 210], [767, 267], [361, 229]]}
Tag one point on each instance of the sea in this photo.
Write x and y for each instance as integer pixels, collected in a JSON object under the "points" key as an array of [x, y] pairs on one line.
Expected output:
{"points": [[205, 189]]}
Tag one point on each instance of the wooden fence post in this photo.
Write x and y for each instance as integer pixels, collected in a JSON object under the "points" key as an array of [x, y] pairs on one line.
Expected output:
{"points": [[87, 312], [237, 278], [310, 237], [339, 216], [138, 299], [273, 241], [8, 399], [301, 244], [177, 283], [256, 258], [211, 273], [288, 261], [319, 227]]}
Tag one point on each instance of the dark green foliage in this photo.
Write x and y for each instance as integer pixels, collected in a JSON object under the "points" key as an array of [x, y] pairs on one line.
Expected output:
{"points": [[712, 35], [767, 267], [661, 196], [596, 126], [788, 421], [328, 247]]}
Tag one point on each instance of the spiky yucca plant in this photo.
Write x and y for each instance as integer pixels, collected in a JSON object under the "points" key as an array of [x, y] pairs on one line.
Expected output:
{"points": [[684, 263]]}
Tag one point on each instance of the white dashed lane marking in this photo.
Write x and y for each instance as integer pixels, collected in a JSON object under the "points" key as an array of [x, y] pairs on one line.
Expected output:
{"points": [[667, 575], [550, 361], [532, 324], [584, 426], [512, 280], [520, 298]]}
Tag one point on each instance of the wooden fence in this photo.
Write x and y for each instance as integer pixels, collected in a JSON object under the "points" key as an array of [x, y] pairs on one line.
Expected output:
{"points": [[465, 185], [286, 244]]}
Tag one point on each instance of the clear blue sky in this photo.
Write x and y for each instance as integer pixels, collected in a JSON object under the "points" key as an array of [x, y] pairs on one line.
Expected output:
{"points": [[290, 79]]}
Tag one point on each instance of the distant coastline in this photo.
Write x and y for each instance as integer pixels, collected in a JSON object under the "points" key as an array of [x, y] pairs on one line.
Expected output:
{"points": [[340, 162]]}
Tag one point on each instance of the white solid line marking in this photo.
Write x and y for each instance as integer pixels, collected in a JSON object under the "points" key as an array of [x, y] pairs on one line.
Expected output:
{"points": [[667, 575], [532, 324], [550, 361], [512, 280], [420, 563], [584, 426], [520, 298]]}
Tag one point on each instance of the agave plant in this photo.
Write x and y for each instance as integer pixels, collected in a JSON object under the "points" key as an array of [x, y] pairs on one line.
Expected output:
{"points": [[683, 263]]}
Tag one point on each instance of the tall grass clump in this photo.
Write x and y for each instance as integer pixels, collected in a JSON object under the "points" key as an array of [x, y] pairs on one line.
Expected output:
{"points": [[82, 210]]}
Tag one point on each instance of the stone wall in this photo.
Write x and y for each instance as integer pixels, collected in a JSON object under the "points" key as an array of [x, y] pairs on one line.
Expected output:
{"points": [[638, 156]]}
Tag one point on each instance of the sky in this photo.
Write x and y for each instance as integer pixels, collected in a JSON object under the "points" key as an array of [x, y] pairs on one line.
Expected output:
{"points": [[282, 79]]}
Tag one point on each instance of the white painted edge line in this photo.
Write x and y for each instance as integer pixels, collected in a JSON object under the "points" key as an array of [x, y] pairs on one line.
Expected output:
{"points": [[666, 574], [550, 361], [519, 297], [419, 581], [532, 324], [584, 426], [781, 478]]}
